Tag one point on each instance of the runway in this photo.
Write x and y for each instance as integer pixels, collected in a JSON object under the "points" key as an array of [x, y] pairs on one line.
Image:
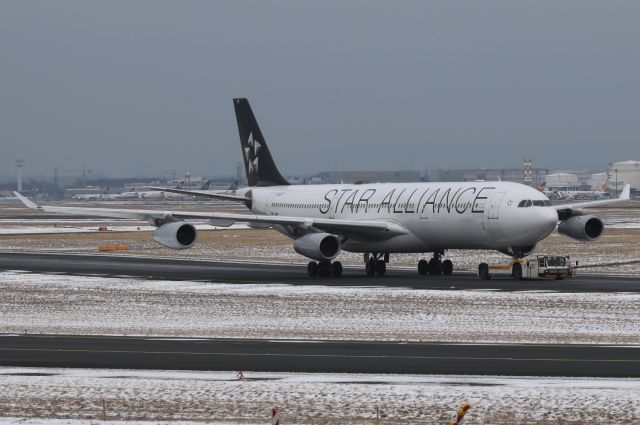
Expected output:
{"points": [[319, 356], [242, 272]]}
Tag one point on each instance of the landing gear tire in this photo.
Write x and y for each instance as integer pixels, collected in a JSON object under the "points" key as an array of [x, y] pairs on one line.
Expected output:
{"points": [[423, 267], [447, 267], [375, 263], [370, 267], [516, 271], [324, 268], [483, 271], [435, 267], [336, 269], [312, 268]]}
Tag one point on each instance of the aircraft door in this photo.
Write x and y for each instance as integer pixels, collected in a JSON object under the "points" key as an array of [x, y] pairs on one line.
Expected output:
{"points": [[494, 205], [332, 209], [270, 202], [424, 212]]}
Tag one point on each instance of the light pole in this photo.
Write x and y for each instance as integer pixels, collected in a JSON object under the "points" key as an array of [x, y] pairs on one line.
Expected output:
{"points": [[616, 170]]}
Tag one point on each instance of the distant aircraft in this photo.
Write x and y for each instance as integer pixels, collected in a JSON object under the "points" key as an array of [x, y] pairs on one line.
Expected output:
{"points": [[151, 195], [124, 196], [569, 193], [374, 219], [87, 197], [204, 191]]}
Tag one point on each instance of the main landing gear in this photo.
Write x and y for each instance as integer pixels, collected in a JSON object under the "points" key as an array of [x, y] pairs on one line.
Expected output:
{"points": [[324, 268], [435, 266], [375, 263]]}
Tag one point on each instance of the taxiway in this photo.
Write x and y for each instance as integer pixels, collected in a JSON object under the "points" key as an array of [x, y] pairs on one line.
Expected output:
{"points": [[319, 356], [245, 272]]}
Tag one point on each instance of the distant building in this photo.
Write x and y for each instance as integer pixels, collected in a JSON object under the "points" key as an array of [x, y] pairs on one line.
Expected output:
{"points": [[565, 182], [402, 176], [624, 172], [599, 181], [487, 174]]}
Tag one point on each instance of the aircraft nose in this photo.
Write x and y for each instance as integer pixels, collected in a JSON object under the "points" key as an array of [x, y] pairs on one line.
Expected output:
{"points": [[549, 218]]}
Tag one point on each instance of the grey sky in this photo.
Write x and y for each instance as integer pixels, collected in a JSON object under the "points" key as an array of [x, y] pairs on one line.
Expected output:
{"points": [[145, 87]]}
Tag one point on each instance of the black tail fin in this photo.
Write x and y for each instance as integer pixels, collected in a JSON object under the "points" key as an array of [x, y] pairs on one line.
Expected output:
{"points": [[258, 163]]}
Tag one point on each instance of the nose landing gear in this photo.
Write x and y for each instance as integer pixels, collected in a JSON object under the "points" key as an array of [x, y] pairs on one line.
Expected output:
{"points": [[375, 263]]}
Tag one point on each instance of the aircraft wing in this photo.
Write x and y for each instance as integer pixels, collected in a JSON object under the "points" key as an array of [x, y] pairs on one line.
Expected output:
{"points": [[203, 193], [568, 210], [385, 229]]}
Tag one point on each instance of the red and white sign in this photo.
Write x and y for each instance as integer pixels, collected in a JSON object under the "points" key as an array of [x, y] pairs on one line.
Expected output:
{"points": [[275, 416]]}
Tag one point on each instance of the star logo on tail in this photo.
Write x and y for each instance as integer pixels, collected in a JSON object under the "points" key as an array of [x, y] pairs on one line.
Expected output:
{"points": [[251, 153]]}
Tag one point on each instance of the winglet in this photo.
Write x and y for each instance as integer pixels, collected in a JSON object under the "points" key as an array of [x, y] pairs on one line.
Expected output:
{"points": [[626, 193], [25, 201]]}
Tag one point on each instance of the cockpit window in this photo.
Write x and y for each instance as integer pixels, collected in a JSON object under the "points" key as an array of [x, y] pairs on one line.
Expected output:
{"points": [[528, 203]]}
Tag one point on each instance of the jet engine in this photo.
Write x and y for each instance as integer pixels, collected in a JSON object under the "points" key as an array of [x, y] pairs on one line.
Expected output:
{"points": [[176, 235], [318, 246], [584, 228]]}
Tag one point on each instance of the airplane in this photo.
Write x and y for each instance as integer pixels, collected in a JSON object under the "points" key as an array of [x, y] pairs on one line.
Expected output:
{"points": [[151, 195], [120, 196], [374, 219], [87, 197], [570, 194], [204, 191], [124, 196]]}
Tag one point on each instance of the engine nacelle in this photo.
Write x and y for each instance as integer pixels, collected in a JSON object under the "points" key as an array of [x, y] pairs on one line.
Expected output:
{"points": [[318, 246], [583, 228], [176, 235], [518, 251]]}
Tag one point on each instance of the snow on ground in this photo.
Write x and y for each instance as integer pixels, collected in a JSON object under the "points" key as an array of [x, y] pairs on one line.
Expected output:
{"points": [[310, 398], [42, 421], [49, 303]]}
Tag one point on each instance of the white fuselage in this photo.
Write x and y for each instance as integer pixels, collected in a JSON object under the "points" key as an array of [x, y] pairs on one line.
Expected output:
{"points": [[437, 216], [120, 196]]}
